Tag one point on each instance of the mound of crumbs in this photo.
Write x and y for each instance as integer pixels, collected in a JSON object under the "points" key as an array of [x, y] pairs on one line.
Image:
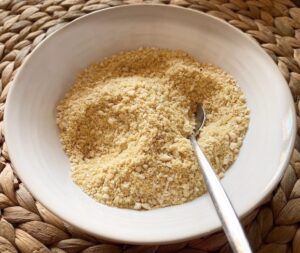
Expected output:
{"points": [[125, 124]]}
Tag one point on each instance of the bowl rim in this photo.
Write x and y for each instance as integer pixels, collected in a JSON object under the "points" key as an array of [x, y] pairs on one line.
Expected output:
{"points": [[276, 178]]}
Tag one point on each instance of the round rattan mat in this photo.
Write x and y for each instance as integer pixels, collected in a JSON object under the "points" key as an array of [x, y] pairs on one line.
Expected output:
{"points": [[26, 226]]}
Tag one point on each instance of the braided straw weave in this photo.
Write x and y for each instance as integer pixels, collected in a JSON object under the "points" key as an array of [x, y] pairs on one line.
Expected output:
{"points": [[26, 226]]}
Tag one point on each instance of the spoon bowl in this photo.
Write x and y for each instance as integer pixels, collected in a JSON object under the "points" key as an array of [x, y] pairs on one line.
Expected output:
{"points": [[200, 119]]}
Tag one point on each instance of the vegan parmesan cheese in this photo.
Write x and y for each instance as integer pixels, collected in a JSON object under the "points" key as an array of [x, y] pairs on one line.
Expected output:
{"points": [[125, 124]]}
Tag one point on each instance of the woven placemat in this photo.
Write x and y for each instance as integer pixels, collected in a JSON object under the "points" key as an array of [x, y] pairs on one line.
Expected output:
{"points": [[26, 226]]}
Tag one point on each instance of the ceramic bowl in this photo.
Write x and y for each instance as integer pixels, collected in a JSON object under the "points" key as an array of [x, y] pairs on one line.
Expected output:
{"points": [[33, 140]]}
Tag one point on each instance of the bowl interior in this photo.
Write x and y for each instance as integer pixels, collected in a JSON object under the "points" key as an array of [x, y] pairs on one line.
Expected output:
{"points": [[32, 135]]}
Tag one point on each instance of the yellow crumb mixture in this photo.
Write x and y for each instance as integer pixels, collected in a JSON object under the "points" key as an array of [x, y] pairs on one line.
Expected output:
{"points": [[125, 126]]}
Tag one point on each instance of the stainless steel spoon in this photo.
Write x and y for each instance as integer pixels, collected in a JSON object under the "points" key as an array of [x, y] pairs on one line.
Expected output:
{"points": [[231, 224]]}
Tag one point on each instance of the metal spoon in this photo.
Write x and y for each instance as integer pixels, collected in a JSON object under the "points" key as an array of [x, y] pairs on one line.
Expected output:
{"points": [[231, 224]]}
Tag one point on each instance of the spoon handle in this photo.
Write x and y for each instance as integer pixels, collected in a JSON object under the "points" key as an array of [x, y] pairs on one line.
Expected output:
{"points": [[231, 224]]}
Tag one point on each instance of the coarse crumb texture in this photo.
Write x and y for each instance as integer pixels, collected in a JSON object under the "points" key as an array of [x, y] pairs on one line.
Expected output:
{"points": [[125, 123]]}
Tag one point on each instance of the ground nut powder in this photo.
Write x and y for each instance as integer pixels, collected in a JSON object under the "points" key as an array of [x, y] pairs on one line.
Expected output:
{"points": [[126, 121]]}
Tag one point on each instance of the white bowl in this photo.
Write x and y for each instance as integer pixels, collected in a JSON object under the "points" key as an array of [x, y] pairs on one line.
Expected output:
{"points": [[32, 135]]}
